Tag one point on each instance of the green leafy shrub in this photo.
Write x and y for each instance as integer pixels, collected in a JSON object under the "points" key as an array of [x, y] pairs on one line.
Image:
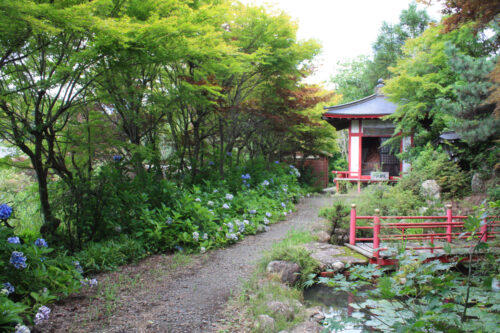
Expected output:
{"points": [[433, 163], [338, 214]]}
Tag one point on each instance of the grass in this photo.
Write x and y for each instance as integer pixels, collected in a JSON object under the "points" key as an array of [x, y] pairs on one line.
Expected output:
{"points": [[290, 249]]}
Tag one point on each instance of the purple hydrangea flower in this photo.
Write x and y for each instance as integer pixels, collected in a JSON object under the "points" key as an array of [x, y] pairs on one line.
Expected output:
{"points": [[211, 163], [10, 288], [245, 176], [229, 153], [268, 214], [253, 211], [40, 242], [283, 205], [117, 158], [14, 240], [42, 315], [5, 211], [18, 260]]}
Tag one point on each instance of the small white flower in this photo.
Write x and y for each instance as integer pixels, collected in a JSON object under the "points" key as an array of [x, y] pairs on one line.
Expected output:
{"points": [[202, 250], [246, 221], [197, 200], [284, 213], [253, 211], [205, 236], [216, 190], [229, 196], [210, 203], [196, 236], [225, 206], [265, 183], [266, 221], [268, 214]]}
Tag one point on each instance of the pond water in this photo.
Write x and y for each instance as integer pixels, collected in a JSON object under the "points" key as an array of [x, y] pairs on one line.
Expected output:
{"points": [[335, 305]]}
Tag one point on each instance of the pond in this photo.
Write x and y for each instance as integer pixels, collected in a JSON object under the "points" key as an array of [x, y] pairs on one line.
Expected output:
{"points": [[335, 305]]}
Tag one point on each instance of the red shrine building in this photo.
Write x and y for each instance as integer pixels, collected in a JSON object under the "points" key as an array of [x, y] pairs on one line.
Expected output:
{"points": [[369, 160]]}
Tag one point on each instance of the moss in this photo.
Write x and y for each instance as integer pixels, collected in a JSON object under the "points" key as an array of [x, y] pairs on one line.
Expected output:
{"points": [[352, 253]]}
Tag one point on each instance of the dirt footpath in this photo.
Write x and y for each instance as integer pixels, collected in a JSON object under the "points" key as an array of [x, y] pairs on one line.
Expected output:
{"points": [[174, 293]]}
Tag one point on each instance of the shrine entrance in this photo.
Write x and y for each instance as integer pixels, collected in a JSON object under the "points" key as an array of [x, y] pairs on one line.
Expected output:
{"points": [[376, 157]]}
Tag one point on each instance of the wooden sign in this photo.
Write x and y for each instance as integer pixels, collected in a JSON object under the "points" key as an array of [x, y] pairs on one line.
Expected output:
{"points": [[379, 175]]}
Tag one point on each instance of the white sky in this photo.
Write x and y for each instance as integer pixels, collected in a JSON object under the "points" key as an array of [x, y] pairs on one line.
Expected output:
{"points": [[345, 28]]}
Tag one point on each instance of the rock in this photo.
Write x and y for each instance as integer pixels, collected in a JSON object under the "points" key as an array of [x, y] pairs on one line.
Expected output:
{"points": [[315, 314], [322, 236], [287, 270], [308, 327], [265, 323], [324, 254], [279, 308], [477, 184], [431, 189]]}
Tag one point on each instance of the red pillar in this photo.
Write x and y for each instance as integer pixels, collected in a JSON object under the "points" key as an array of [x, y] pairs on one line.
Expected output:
{"points": [[484, 231], [352, 226], [376, 233], [449, 219]]}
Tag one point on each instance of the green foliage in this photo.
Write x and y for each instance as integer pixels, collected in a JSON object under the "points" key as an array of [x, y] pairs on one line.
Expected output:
{"points": [[338, 215], [431, 163], [43, 278], [108, 255]]}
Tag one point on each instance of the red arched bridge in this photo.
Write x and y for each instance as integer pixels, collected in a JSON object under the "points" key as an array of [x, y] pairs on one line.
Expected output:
{"points": [[445, 236]]}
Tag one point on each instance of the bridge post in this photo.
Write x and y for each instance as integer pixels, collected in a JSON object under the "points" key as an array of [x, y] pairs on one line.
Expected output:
{"points": [[484, 231], [376, 233], [352, 226], [449, 219]]}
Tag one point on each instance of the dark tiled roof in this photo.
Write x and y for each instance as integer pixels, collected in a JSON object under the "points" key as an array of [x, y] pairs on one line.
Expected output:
{"points": [[372, 105]]}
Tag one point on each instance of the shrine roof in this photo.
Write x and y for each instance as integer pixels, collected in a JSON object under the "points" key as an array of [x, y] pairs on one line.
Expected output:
{"points": [[376, 105]]}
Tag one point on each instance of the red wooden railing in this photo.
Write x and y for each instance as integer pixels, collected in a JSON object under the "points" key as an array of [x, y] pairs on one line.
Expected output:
{"points": [[451, 222]]}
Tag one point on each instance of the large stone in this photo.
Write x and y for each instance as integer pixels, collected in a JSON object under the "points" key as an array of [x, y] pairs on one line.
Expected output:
{"points": [[308, 327], [265, 323], [322, 236], [280, 308], [477, 184], [315, 314], [287, 270], [325, 254], [431, 189]]}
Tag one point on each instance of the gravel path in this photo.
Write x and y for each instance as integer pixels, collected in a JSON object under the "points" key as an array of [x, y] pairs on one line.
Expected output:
{"points": [[155, 296]]}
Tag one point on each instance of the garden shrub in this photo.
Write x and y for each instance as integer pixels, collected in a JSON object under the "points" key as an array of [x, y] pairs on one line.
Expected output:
{"points": [[434, 163], [338, 214]]}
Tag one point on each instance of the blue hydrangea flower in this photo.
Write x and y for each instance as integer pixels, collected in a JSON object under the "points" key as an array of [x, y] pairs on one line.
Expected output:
{"points": [[265, 220], [42, 315], [229, 153], [169, 220], [14, 240], [5, 211], [10, 288], [196, 236], [229, 196], [40, 242], [205, 236], [253, 211], [283, 205], [210, 203], [117, 158], [246, 176], [265, 183], [225, 206], [277, 162], [211, 163], [18, 260], [179, 248], [268, 214], [197, 200]]}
